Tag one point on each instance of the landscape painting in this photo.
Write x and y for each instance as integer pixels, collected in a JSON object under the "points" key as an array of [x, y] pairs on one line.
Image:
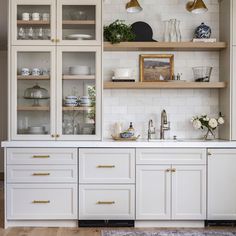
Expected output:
{"points": [[156, 68]]}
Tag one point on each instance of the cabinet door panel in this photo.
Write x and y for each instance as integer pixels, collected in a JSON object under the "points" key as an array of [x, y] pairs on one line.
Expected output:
{"points": [[189, 193], [33, 22], [79, 22], [79, 93], [33, 93], [221, 184], [153, 189]]}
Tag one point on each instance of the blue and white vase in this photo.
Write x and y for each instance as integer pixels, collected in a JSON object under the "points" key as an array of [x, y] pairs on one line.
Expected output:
{"points": [[203, 32]]}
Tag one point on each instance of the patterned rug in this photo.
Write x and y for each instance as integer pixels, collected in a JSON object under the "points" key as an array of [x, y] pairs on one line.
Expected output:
{"points": [[168, 233]]}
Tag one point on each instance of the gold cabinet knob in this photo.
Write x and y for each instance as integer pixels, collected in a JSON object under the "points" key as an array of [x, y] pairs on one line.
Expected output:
{"points": [[173, 170], [52, 135], [168, 170], [209, 153], [57, 136], [53, 40], [57, 40]]}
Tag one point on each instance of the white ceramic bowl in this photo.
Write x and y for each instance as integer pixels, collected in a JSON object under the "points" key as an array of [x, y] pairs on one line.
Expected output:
{"points": [[36, 129], [79, 70], [123, 72]]}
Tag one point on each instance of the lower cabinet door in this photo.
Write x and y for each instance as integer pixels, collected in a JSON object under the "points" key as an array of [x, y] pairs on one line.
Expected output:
{"points": [[153, 192], [41, 201], [106, 202], [221, 184], [188, 192]]}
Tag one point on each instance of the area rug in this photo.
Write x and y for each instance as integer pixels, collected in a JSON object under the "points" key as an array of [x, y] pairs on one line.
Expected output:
{"points": [[168, 233]]}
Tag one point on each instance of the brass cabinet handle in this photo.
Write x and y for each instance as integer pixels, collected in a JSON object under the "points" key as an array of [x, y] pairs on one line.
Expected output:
{"points": [[53, 136], [41, 174], [40, 202], [173, 170], [209, 154], [57, 136], [106, 166], [39, 156], [53, 40], [105, 203], [168, 170], [57, 40]]}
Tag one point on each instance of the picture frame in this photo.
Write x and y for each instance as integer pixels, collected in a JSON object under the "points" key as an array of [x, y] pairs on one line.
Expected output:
{"points": [[156, 67]]}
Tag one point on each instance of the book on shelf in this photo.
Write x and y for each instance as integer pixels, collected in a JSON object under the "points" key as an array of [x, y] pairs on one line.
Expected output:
{"points": [[211, 40]]}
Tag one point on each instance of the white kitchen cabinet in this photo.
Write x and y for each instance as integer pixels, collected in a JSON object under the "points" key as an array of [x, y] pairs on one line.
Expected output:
{"points": [[153, 192], [106, 165], [188, 192], [106, 202], [221, 184], [60, 22], [42, 201]]}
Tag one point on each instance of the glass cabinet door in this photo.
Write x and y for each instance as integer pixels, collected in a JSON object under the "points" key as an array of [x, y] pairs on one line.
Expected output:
{"points": [[33, 22], [33, 93], [79, 93], [79, 22]]}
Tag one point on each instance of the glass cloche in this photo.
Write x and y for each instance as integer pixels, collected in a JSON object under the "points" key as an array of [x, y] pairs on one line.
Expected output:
{"points": [[36, 92]]}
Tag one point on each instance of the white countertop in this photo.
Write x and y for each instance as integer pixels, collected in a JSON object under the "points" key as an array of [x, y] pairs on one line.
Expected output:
{"points": [[109, 143]]}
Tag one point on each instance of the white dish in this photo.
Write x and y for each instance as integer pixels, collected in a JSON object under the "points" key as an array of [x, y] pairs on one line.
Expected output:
{"points": [[79, 70], [79, 36], [123, 72]]}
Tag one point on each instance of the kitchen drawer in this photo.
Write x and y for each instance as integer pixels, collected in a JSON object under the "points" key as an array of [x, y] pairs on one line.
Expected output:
{"points": [[42, 173], [50, 156], [106, 202], [41, 201], [188, 156], [105, 165]]}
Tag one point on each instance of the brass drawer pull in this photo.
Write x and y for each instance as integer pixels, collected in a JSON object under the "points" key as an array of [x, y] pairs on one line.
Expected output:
{"points": [[41, 174], [35, 156], [105, 203], [40, 202], [106, 166]]}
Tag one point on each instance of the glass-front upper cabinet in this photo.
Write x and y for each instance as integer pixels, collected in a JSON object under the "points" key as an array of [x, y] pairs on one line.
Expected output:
{"points": [[33, 93], [79, 22], [79, 93], [33, 22]]}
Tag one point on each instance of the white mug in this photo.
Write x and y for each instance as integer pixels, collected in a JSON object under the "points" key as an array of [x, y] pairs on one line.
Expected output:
{"points": [[36, 72], [25, 71], [35, 16], [26, 16], [45, 17]]}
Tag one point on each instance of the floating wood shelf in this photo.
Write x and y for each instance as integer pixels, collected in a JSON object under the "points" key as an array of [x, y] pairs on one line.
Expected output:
{"points": [[78, 77], [78, 22], [30, 77], [77, 108], [32, 22], [163, 46], [164, 85], [31, 108]]}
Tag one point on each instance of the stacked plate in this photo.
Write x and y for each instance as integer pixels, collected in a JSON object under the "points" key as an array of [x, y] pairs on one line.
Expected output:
{"points": [[85, 101], [71, 101]]}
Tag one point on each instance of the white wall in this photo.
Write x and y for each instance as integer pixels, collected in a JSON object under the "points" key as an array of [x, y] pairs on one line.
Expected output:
{"points": [[3, 102], [139, 106]]}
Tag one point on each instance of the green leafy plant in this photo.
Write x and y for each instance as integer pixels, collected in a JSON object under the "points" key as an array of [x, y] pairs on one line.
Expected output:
{"points": [[118, 32], [92, 96]]}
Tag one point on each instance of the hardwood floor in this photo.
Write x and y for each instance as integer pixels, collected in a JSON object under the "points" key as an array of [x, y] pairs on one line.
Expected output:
{"points": [[52, 231]]}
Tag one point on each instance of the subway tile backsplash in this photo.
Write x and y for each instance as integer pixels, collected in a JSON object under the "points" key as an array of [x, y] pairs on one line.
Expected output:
{"points": [[139, 106]]}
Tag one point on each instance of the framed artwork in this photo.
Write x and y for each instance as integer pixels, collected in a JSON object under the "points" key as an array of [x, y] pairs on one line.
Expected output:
{"points": [[156, 68]]}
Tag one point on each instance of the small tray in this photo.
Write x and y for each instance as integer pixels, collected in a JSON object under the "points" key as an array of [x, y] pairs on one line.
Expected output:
{"points": [[125, 139]]}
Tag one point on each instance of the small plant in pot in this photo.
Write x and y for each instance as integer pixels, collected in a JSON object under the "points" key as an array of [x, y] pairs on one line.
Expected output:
{"points": [[118, 32], [204, 122]]}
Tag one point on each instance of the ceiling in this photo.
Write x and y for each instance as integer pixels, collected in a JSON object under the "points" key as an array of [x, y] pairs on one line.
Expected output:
{"points": [[3, 24]]}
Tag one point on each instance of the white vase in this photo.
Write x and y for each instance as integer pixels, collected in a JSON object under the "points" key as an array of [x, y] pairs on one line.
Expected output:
{"points": [[179, 37], [173, 33], [167, 31]]}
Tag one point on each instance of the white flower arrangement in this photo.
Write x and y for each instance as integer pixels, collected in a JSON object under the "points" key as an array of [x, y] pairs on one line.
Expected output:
{"points": [[205, 122]]}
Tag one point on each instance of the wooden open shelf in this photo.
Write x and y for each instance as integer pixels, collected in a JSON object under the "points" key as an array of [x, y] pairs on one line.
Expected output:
{"points": [[78, 22], [163, 46], [31, 108], [30, 77], [78, 77], [32, 22], [164, 85], [77, 108]]}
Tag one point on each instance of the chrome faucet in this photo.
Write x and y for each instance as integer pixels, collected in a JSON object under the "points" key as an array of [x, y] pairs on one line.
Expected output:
{"points": [[151, 130], [165, 125]]}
